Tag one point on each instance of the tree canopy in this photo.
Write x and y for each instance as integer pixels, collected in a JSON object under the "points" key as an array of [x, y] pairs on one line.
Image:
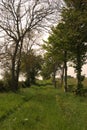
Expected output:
{"points": [[68, 39]]}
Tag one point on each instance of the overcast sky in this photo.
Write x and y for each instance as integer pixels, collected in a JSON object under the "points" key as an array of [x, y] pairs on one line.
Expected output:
{"points": [[72, 72]]}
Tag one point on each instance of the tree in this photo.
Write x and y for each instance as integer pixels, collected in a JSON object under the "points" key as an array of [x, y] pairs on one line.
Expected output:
{"points": [[59, 48], [17, 18], [53, 56], [31, 66], [49, 68], [69, 37], [75, 16]]}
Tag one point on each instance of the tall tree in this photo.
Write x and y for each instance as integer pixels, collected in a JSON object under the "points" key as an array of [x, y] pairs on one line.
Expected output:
{"points": [[50, 66], [56, 48], [17, 18], [59, 43], [70, 37], [75, 16]]}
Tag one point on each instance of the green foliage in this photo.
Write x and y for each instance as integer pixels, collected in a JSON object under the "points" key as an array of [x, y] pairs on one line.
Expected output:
{"points": [[75, 16], [2, 87], [58, 48], [77, 4], [68, 39], [5, 83], [46, 71], [31, 65]]}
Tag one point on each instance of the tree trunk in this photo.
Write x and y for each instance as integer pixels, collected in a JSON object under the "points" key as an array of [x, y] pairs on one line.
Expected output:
{"points": [[79, 83], [14, 82], [62, 77], [16, 66], [54, 76], [78, 68], [28, 84], [19, 62], [32, 76], [65, 71]]}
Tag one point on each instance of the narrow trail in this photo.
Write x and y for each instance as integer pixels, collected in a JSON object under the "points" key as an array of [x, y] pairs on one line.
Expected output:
{"points": [[15, 109], [25, 99]]}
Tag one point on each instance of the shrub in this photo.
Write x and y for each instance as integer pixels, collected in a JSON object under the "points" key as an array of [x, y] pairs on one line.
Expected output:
{"points": [[7, 81], [71, 88], [2, 86]]}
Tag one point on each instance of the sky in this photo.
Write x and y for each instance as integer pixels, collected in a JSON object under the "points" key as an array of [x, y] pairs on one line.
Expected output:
{"points": [[72, 72], [85, 70]]}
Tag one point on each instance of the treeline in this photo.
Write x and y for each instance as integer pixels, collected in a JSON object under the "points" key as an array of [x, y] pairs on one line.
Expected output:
{"points": [[20, 25], [68, 43]]}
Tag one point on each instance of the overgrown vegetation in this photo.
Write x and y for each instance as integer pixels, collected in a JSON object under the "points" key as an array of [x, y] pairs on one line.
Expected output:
{"points": [[42, 107]]}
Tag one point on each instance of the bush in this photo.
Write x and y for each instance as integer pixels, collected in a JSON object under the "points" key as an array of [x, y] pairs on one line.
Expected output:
{"points": [[82, 92], [7, 81], [71, 88], [2, 86]]}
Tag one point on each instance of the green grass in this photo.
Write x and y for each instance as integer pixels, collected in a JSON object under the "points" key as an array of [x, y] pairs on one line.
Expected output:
{"points": [[42, 108]]}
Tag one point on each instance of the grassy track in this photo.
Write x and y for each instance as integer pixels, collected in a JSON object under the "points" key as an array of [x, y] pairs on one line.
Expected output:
{"points": [[42, 108]]}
